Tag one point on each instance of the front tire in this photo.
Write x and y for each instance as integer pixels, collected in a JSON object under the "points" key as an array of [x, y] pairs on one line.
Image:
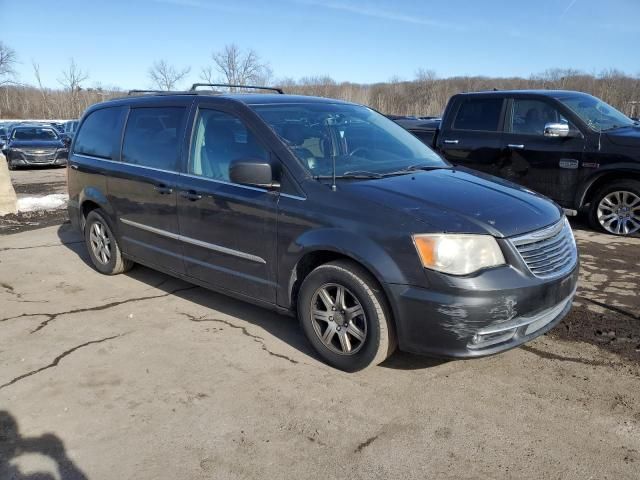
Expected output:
{"points": [[102, 245], [615, 208], [344, 314]]}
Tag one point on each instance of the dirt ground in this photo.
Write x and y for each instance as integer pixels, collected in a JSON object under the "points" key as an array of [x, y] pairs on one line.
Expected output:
{"points": [[145, 376]]}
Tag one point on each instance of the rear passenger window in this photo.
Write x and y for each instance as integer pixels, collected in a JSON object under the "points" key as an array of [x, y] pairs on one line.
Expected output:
{"points": [[100, 133], [479, 114], [218, 139], [152, 137]]}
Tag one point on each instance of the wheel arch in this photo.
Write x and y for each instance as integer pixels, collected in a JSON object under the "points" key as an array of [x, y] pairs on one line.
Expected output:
{"points": [[91, 199], [320, 247], [595, 183]]}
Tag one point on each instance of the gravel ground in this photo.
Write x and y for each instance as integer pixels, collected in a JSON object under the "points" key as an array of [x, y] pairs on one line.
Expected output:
{"points": [[145, 376]]}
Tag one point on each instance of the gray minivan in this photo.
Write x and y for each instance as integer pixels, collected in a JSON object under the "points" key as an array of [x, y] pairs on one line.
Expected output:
{"points": [[322, 209]]}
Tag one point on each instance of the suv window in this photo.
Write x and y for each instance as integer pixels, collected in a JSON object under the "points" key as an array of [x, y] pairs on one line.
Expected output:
{"points": [[529, 117], [219, 138], [100, 133], [479, 114], [151, 137]]}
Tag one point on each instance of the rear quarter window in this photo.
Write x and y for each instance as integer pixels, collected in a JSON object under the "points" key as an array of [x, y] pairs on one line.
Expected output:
{"points": [[480, 114], [153, 136], [99, 134]]}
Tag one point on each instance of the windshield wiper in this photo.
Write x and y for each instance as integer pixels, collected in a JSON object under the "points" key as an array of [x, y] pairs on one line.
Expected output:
{"points": [[352, 174], [414, 168]]}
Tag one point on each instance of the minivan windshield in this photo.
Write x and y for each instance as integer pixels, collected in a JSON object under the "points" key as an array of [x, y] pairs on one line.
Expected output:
{"points": [[598, 115], [362, 143], [34, 133]]}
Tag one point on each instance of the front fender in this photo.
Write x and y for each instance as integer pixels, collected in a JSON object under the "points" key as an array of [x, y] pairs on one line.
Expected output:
{"points": [[360, 248]]}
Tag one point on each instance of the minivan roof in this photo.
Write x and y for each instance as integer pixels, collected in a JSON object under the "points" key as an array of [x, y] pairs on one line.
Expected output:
{"points": [[246, 98]]}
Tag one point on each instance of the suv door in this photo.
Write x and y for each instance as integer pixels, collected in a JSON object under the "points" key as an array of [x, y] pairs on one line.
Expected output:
{"points": [[228, 230], [142, 186], [548, 165], [472, 136]]}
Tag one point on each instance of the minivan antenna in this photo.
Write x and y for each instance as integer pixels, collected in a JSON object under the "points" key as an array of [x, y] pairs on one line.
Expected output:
{"points": [[333, 174]]}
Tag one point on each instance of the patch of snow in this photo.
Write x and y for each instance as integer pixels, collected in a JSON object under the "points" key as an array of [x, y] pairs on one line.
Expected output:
{"points": [[48, 202]]}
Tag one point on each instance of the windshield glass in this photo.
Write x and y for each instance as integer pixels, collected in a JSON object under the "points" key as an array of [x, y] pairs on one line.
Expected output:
{"points": [[34, 133], [361, 141], [599, 116]]}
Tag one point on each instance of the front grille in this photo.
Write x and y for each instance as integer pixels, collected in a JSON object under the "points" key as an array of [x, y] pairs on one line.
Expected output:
{"points": [[550, 252], [34, 155]]}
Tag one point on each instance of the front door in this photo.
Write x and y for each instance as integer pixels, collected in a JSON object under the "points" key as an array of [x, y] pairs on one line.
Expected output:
{"points": [[548, 165], [228, 230], [142, 186]]}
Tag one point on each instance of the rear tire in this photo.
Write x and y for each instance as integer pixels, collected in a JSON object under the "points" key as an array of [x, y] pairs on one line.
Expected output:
{"points": [[102, 245], [615, 208], [344, 314]]}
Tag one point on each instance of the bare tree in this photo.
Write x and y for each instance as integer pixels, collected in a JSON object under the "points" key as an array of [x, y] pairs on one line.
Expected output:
{"points": [[238, 67], [166, 76], [72, 79], [7, 61], [46, 110]]}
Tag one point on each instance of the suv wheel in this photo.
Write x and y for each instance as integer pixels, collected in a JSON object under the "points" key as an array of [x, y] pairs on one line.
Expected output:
{"points": [[345, 316], [616, 208], [102, 245]]}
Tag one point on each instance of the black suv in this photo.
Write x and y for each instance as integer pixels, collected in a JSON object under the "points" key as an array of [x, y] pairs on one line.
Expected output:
{"points": [[570, 146], [324, 209]]}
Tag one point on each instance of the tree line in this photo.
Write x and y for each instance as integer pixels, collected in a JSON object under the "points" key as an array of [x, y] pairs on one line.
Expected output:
{"points": [[424, 95]]}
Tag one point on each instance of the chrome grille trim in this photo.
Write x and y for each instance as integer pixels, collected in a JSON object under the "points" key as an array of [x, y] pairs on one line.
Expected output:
{"points": [[550, 252]]}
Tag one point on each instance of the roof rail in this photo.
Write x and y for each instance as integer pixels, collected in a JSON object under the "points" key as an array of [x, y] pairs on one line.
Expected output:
{"points": [[135, 92], [195, 86]]}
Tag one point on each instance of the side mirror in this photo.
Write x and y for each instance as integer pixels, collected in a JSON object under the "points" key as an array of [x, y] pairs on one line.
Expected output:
{"points": [[66, 141], [252, 172], [556, 130]]}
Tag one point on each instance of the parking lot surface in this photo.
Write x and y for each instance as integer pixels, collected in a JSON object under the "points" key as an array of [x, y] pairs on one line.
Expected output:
{"points": [[145, 376]]}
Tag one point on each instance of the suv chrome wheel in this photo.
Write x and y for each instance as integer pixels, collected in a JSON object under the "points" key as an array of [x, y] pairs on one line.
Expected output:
{"points": [[619, 213], [338, 319], [100, 242]]}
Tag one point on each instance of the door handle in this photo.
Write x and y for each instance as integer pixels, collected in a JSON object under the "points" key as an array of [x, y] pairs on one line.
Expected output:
{"points": [[163, 189], [191, 195], [451, 142], [516, 146]]}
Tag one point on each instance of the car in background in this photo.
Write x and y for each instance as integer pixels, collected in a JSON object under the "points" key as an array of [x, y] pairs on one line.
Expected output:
{"points": [[70, 128], [567, 145], [4, 135], [35, 145]]}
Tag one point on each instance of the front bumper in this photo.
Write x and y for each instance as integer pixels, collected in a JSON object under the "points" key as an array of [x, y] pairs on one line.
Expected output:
{"points": [[465, 318], [24, 159]]}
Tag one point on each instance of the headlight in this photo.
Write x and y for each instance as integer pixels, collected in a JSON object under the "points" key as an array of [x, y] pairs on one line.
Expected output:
{"points": [[458, 254]]}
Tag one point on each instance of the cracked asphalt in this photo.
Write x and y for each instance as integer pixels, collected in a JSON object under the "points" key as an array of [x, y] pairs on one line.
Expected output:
{"points": [[145, 376]]}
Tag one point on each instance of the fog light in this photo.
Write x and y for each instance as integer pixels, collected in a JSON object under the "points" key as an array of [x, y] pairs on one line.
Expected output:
{"points": [[482, 340]]}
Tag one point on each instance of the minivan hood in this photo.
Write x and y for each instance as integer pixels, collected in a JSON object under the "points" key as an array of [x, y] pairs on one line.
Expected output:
{"points": [[626, 136], [456, 200], [35, 144]]}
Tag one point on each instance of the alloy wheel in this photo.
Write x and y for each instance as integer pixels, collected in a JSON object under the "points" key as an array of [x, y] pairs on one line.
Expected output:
{"points": [[338, 319], [619, 212], [100, 242]]}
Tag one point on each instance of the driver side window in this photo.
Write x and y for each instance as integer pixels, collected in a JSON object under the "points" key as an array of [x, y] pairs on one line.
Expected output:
{"points": [[528, 117], [218, 139]]}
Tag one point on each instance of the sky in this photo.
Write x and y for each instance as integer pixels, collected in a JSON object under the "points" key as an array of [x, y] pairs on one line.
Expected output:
{"points": [[363, 41]]}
